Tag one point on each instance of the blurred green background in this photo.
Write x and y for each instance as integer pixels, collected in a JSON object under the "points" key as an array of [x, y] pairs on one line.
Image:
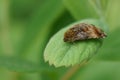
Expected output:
{"points": [[27, 25]]}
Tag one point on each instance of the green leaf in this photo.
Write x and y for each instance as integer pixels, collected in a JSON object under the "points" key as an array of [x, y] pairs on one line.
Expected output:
{"points": [[16, 64], [60, 53], [80, 9]]}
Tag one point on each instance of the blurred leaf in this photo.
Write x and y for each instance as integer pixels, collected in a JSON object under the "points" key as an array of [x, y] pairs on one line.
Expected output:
{"points": [[112, 14], [80, 9], [104, 4], [22, 65], [23, 9], [6, 74], [99, 71], [99, 8], [38, 30], [30, 76], [100, 5], [61, 22], [111, 47], [59, 53], [16, 64]]}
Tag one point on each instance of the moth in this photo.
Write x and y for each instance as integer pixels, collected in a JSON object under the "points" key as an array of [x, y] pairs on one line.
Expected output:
{"points": [[83, 31]]}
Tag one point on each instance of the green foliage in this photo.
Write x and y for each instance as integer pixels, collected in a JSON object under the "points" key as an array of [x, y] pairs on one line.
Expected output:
{"points": [[42, 21], [16, 64], [110, 49], [27, 25], [80, 8], [105, 70], [112, 15]]}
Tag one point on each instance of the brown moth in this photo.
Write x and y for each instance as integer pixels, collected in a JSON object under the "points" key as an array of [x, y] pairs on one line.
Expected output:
{"points": [[83, 31]]}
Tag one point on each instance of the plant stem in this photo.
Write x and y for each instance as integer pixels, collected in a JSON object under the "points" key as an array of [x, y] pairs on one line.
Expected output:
{"points": [[72, 71]]}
